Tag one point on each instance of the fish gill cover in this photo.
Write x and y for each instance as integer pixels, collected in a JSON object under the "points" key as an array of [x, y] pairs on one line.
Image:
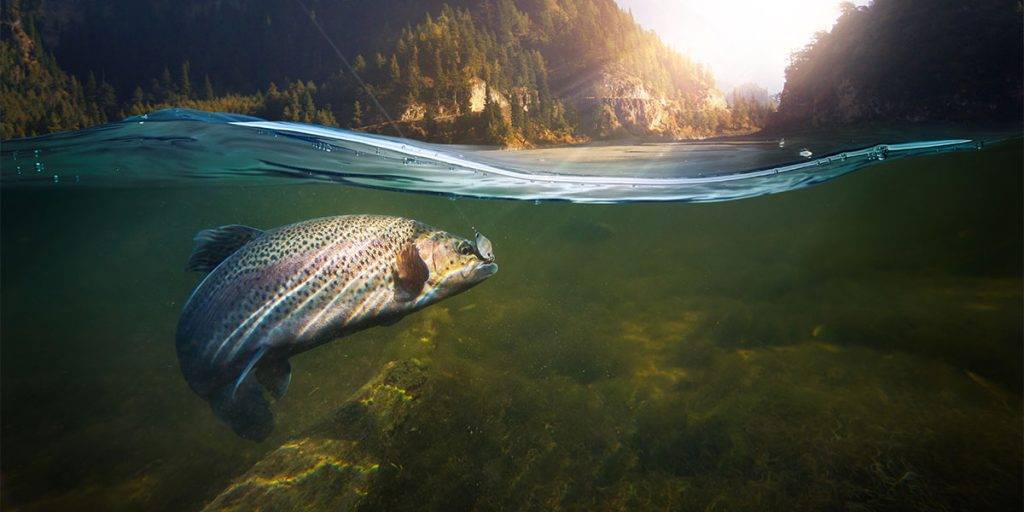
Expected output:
{"points": [[182, 146]]}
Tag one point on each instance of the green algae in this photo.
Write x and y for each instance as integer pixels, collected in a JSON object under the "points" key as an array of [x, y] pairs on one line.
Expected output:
{"points": [[810, 426]]}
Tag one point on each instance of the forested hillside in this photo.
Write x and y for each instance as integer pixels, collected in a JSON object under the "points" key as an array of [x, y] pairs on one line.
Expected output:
{"points": [[512, 72], [909, 60], [752, 103], [36, 96]]}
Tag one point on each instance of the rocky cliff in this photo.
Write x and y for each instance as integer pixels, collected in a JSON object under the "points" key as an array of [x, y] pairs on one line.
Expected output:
{"points": [[621, 104]]}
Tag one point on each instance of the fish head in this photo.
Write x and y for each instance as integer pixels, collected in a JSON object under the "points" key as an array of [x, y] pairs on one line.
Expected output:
{"points": [[454, 264]]}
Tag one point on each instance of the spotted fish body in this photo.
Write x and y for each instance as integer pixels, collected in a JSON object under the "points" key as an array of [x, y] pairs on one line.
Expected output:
{"points": [[270, 295]]}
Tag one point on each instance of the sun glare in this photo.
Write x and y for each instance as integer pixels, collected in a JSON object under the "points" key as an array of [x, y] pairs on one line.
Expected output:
{"points": [[742, 40]]}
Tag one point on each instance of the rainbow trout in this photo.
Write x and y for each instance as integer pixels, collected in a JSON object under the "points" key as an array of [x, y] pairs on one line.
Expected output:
{"points": [[272, 294]]}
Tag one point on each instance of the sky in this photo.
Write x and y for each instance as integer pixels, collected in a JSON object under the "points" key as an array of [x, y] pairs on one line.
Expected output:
{"points": [[742, 40]]}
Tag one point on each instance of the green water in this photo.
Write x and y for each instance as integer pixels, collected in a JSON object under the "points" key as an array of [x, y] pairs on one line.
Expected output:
{"points": [[851, 346]]}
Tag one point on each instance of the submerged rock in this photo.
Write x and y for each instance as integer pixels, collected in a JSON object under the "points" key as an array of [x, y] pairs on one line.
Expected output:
{"points": [[321, 473], [690, 423], [337, 464]]}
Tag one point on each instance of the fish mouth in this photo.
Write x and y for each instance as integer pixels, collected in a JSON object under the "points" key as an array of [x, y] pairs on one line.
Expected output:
{"points": [[474, 274], [487, 269], [482, 271]]}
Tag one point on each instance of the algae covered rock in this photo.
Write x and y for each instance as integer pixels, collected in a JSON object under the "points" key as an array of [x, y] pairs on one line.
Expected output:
{"points": [[309, 472], [336, 464], [691, 425]]}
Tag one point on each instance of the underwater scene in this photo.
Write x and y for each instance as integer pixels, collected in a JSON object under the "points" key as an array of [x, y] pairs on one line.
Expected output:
{"points": [[486, 255], [854, 344]]}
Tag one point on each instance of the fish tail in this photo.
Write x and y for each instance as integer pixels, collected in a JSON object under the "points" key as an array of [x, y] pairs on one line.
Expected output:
{"points": [[244, 408]]}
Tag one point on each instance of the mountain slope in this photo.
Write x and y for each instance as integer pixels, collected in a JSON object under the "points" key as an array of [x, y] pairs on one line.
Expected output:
{"points": [[36, 96], [506, 71], [909, 60]]}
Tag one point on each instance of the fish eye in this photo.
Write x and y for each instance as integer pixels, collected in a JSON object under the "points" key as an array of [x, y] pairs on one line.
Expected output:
{"points": [[464, 248]]}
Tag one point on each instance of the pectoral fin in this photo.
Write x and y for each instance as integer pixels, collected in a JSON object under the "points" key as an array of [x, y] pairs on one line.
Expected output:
{"points": [[410, 274], [275, 375]]}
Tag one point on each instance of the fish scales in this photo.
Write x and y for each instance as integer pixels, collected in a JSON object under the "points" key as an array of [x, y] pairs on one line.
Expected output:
{"points": [[287, 290]]}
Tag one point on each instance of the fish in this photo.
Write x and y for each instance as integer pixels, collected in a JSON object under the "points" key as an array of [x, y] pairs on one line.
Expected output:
{"points": [[269, 295]]}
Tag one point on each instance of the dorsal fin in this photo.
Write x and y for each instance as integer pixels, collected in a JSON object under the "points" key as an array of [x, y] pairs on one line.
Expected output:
{"points": [[411, 273], [215, 245]]}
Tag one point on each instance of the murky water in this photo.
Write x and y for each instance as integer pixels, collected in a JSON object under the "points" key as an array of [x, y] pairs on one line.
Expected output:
{"points": [[850, 346]]}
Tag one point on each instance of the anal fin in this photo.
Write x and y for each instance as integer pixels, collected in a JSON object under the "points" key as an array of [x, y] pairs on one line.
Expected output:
{"points": [[275, 375]]}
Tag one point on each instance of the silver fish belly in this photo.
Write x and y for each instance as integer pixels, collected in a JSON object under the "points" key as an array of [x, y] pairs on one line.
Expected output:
{"points": [[270, 295]]}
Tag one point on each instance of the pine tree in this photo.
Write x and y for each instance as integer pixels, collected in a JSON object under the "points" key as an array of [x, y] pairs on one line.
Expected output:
{"points": [[138, 104], [412, 74], [165, 90], [357, 115], [207, 88], [396, 72], [106, 100], [516, 110], [91, 87], [185, 85]]}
